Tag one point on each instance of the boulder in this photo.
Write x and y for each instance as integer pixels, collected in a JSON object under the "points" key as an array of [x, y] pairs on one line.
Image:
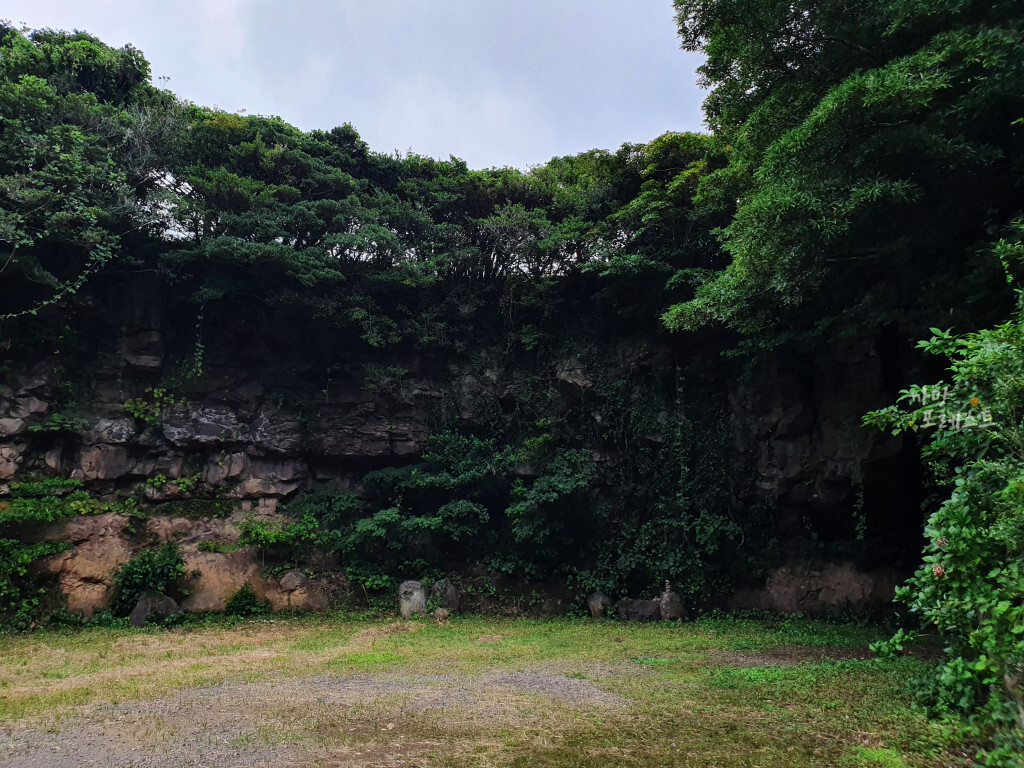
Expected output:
{"points": [[293, 580], [447, 594], [299, 593], [599, 604], [638, 610], [152, 604], [412, 598]]}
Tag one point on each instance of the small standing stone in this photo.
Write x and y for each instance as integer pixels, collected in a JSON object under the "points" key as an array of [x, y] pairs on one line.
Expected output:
{"points": [[447, 594], [441, 615], [599, 604], [672, 606], [412, 598]]}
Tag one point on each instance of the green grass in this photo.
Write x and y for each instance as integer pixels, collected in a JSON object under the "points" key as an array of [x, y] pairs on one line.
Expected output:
{"points": [[722, 693]]}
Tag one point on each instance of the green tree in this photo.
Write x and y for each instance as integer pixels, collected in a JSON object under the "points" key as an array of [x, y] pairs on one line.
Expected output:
{"points": [[83, 150], [872, 149]]}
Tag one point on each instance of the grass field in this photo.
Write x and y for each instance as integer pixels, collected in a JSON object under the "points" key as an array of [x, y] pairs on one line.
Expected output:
{"points": [[336, 691]]}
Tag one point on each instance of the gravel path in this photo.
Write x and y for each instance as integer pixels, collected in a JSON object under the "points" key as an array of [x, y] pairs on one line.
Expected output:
{"points": [[362, 720]]}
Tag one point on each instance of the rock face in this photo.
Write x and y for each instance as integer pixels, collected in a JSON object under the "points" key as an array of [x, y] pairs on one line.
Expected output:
{"points": [[300, 593], [638, 610], [817, 589], [154, 605], [412, 598], [10, 460], [799, 423], [193, 427], [599, 604], [246, 441], [85, 573], [103, 462], [144, 350], [222, 574], [366, 430], [232, 440]]}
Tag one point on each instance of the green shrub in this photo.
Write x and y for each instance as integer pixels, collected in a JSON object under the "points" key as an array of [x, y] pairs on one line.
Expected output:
{"points": [[208, 545], [245, 603], [290, 540], [161, 569]]}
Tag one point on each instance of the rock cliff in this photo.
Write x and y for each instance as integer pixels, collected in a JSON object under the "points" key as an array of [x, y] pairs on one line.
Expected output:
{"points": [[235, 446]]}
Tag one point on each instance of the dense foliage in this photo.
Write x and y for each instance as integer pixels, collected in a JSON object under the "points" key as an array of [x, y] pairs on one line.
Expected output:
{"points": [[534, 503], [245, 603], [83, 153], [873, 150]]}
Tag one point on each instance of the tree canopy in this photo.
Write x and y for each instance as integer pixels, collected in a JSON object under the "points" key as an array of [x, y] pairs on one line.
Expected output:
{"points": [[873, 152]]}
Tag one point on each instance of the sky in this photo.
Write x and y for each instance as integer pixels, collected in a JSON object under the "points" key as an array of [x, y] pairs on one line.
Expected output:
{"points": [[496, 84]]}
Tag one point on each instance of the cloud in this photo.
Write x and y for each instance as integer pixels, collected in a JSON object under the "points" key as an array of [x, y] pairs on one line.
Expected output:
{"points": [[494, 83], [428, 117], [221, 27]]}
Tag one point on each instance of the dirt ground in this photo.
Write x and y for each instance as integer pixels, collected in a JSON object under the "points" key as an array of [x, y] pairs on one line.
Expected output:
{"points": [[254, 724]]}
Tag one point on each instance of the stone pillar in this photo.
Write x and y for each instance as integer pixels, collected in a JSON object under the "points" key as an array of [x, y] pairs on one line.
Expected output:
{"points": [[412, 598], [672, 606], [599, 604]]}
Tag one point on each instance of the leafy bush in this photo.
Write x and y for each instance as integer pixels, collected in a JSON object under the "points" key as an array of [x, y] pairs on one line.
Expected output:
{"points": [[161, 569], [291, 540], [245, 603]]}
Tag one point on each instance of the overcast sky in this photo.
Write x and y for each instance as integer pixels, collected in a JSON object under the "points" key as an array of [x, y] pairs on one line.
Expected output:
{"points": [[511, 83]]}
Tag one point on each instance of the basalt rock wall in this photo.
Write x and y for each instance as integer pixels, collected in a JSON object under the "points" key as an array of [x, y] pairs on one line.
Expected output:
{"points": [[251, 446]]}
